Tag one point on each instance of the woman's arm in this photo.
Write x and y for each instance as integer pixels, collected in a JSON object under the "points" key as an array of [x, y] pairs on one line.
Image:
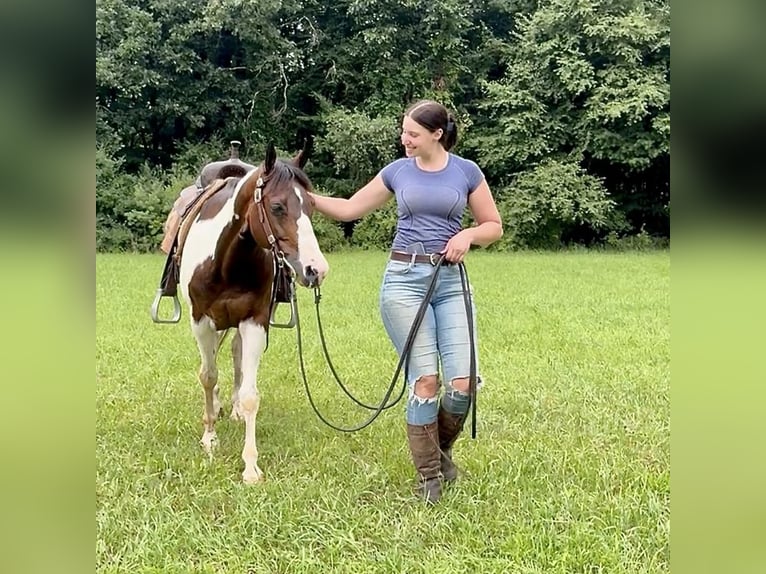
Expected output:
{"points": [[488, 227], [367, 199]]}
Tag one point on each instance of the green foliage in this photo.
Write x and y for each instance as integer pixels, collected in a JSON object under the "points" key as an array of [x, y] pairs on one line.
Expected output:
{"points": [[156, 59], [545, 200], [640, 241], [589, 77], [589, 82], [580, 82], [131, 208], [343, 133], [192, 156], [328, 233], [376, 230]]}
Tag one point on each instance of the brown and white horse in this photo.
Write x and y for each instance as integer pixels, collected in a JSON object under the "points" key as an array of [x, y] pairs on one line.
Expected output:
{"points": [[226, 277]]}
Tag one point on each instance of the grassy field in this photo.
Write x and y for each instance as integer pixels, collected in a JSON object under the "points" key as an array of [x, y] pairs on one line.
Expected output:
{"points": [[570, 470]]}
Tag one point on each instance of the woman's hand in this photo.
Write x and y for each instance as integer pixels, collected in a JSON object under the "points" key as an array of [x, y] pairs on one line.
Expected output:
{"points": [[458, 246]]}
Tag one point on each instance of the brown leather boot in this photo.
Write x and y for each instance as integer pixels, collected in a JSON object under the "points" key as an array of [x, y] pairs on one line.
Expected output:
{"points": [[423, 441], [450, 426]]}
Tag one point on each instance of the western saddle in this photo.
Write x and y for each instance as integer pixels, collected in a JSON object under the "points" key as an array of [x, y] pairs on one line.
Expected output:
{"points": [[211, 179]]}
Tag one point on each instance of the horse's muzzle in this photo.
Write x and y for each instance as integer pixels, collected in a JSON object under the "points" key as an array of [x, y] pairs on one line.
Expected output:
{"points": [[312, 276]]}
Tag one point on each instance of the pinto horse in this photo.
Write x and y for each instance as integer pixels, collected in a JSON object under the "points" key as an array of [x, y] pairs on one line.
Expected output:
{"points": [[253, 225]]}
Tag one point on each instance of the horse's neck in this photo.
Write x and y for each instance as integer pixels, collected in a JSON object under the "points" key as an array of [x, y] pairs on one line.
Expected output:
{"points": [[240, 256]]}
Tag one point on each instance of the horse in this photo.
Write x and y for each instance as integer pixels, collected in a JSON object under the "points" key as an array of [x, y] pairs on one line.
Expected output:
{"points": [[257, 223]]}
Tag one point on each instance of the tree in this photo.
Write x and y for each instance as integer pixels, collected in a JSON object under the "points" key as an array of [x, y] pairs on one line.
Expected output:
{"points": [[571, 96], [585, 81]]}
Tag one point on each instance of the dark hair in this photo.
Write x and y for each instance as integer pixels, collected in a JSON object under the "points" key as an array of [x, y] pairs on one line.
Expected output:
{"points": [[433, 116]]}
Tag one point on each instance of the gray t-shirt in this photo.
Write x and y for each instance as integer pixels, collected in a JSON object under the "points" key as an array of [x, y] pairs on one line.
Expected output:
{"points": [[430, 203]]}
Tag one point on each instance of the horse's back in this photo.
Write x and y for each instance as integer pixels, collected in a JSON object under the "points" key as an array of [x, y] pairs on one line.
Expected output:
{"points": [[215, 215]]}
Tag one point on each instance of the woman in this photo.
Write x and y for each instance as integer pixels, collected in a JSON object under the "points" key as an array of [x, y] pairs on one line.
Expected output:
{"points": [[432, 188]]}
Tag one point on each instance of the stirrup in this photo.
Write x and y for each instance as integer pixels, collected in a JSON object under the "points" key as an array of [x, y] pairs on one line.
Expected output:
{"points": [[156, 308], [293, 315]]}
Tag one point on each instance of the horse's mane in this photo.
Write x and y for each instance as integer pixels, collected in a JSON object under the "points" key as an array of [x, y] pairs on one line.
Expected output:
{"points": [[285, 172]]}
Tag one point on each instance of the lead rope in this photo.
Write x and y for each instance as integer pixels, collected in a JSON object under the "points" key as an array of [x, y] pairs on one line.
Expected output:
{"points": [[472, 374], [317, 298], [403, 360]]}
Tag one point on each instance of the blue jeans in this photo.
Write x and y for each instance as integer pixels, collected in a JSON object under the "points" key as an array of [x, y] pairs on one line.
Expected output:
{"points": [[443, 336]]}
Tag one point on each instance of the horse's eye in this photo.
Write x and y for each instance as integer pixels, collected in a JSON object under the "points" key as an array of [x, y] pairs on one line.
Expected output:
{"points": [[277, 209]]}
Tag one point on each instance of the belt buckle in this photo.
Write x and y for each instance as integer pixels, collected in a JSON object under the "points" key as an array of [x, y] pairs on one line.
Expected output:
{"points": [[433, 258]]}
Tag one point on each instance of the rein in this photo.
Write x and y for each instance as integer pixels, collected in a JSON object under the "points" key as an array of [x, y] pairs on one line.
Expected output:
{"points": [[283, 291], [403, 359]]}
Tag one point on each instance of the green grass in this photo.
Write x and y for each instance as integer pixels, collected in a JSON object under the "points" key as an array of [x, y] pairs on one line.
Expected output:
{"points": [[570, 471]]}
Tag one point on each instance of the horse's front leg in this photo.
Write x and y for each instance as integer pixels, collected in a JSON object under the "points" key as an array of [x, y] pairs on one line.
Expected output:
{"points": [[207, 342], [236, 355], [248, 399]]}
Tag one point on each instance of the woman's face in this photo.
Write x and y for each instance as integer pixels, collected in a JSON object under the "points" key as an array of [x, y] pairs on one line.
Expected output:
{"points": [[417, 140]]}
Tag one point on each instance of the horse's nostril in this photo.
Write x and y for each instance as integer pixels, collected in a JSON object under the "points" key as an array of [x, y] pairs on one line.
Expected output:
{"points": [[311, 274]]}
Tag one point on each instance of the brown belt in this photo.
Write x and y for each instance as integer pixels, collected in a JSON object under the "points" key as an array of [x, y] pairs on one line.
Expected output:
{"points": [[432, 258]]}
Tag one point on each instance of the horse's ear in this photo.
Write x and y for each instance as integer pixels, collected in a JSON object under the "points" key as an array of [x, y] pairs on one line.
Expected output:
{"points": [[271, 158], [303, 156]]}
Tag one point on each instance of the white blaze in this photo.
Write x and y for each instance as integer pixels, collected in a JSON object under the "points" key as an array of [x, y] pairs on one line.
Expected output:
{"points": [[309, 253]]}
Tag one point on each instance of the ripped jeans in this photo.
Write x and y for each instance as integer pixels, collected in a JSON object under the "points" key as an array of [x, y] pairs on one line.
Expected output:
{"points": [[442, 338]]}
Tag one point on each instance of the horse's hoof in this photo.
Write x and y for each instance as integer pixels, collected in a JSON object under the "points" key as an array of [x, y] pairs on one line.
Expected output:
{"points": [[235, 414], [209, 442], [252, 477]]}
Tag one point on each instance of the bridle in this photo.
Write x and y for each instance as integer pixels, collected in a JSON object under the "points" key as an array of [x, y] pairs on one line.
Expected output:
{"points": [[283, 284]]}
